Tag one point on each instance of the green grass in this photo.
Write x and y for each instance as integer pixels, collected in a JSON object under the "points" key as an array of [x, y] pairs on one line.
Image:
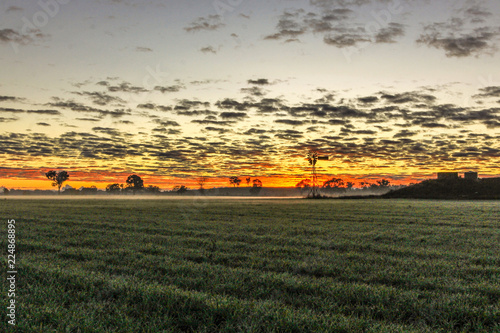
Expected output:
{"points": [[199, 265]]}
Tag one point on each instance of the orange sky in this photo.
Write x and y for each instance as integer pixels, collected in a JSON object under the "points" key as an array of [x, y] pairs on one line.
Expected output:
{"points": [[35, 179]]}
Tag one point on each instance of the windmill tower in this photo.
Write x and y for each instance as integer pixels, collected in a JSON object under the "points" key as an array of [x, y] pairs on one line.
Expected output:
{"points": [[313, 158]]}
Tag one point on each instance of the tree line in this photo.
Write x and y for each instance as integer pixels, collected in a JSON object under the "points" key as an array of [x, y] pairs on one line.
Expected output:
{"points": [[134, 184], [338, 185]]}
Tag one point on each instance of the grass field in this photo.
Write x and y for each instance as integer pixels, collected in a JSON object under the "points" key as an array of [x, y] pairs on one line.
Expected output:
{"points": [[255, 265]]}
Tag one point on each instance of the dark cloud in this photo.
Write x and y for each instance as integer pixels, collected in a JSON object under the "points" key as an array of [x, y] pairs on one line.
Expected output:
{"points": [[260, 82], [288, 135], [78, 107], [43, 124], [6, 120], [462, 36], [408, 97], [291, 122], [404, 134], [100, 98], [213, 122], [167, 123], [346, 39], [489, 92], [253, 91], [94, 120], [368, 99], [233, 115], [148, 106], [123, 87], [208, 49], [11, 110], [169, 89], [390, 33], [289, 25], [8, 98], [217, 129], [232, 104], [47, 112], [212, 22], [197, 113], [339, 27], [12, 36], [107, 130], [186, 104]]}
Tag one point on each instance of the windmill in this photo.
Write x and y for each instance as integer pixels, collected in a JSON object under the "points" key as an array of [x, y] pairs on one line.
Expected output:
{"points": [[313, 158]]}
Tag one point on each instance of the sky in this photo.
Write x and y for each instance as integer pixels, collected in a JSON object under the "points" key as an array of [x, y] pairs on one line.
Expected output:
{"points": [[175, 90]]}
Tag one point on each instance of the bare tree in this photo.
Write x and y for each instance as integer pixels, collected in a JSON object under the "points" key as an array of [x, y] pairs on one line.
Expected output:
{"points": [[201, 182]]}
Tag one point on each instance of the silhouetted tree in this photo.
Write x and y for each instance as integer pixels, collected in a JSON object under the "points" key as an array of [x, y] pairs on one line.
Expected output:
{"points": [[5, 191], [333, 183], [349, 185], [257, 186], [113, 188], [89, 190], [135, 183], [383, 183], [58, 178], [180, 189], [248, 181], [235, 181], [201, 182], [153, 189], [365, 184], [303, 185]]}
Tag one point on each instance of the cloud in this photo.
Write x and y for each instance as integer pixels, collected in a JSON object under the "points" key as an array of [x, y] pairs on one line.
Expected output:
{"points": [[339, 27], [260, 82], [462, 36], [210, 23], [123, 87], [408, 97], [47, 112], [208, 49], [345, 39], [488, 92], [12, 36], [143, 49], [389, 34], [233, 115], [253, 91], [9, 98], [100, 98], [169, 89], [368, 99], [291, 122], [166, 123], [78, 107], [232, 104], [11, 110], [289, 25], [43, 124], [6, 120], [213, 122]]}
